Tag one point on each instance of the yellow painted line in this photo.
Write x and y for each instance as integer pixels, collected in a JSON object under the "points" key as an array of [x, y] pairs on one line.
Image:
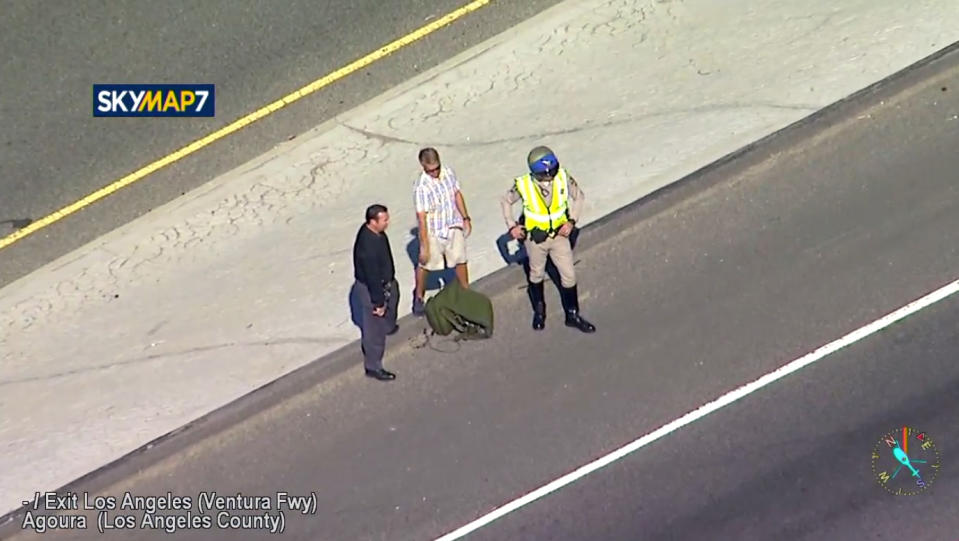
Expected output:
{"points": [[245, 121]]}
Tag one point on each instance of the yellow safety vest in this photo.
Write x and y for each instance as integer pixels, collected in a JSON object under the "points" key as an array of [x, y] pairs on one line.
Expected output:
{"points": [[537, 215]]}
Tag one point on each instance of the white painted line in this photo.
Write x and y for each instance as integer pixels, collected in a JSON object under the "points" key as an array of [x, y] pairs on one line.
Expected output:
{"points": [[706, 409]]}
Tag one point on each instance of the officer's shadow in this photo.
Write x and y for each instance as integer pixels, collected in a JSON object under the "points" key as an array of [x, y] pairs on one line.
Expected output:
{"points": [[435, 280], [513, 252]]}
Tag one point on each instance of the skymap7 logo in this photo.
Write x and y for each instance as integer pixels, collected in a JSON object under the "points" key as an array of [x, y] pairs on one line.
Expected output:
{"points": [[197, 100]]}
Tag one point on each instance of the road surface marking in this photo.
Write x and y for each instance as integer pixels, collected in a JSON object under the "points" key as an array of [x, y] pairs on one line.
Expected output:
{"points": [[237, 125], [706, 409]]}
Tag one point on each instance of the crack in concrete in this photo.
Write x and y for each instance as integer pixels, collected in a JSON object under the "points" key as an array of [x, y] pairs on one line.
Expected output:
{"points": [[159, 356], [475, 97], [586, 126], [376, 136], [826, 20]]}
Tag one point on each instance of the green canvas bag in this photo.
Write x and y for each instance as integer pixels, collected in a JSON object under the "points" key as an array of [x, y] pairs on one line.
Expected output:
{"points": [[468, 312]]}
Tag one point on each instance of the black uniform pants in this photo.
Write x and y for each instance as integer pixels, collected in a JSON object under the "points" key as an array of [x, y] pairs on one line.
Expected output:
{"points": [[375, 328]]}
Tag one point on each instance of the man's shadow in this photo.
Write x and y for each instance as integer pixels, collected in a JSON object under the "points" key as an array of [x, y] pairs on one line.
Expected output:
{"points": [[520, 257], [435, 280], [356, 306]]}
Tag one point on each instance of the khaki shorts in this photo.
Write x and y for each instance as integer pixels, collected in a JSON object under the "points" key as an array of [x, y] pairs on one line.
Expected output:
{"points": [[452, 249]]}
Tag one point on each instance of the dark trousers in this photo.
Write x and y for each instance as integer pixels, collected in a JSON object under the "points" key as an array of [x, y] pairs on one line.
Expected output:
{"points": [[375, 328]]}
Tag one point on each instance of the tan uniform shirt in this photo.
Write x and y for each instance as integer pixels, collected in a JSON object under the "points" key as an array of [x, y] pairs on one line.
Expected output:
{"points": [[512, 196]]}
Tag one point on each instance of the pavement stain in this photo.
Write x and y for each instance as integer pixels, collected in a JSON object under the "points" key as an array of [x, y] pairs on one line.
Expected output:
{"points": [[17, 223], [157, 327]]}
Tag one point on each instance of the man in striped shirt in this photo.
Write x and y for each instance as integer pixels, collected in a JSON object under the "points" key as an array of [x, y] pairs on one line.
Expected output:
{"points": [[444, 224]]}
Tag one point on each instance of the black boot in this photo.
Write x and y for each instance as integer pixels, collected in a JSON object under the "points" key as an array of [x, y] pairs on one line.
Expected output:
{"points": [[539, 305], [571, 306]]}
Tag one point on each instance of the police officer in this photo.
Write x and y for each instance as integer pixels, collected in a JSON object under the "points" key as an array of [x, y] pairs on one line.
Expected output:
{"points": [[552, 202]]}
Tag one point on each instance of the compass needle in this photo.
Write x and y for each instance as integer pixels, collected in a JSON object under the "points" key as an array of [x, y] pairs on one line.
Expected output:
{"points": [[892, 453]]}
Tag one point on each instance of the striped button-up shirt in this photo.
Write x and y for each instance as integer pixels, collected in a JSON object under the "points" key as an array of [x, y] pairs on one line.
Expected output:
{"points": [[437, 198]]}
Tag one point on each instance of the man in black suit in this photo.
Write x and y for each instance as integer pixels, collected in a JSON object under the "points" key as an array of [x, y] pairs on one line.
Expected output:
{"points": [[377, 289]]}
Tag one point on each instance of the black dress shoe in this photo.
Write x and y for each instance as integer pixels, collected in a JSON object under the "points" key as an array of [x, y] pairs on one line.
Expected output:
{"points": [[570, 296], [539, 319], [578, 322], [381, 375]]}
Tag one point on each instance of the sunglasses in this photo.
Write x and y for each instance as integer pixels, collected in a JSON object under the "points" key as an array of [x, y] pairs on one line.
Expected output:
{"points": [[544, 175], [432, 170]]}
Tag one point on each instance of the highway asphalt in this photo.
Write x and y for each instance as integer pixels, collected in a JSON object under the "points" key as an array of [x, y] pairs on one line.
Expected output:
{"points": [[791, 462], [695, 291], [53, 152]]}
